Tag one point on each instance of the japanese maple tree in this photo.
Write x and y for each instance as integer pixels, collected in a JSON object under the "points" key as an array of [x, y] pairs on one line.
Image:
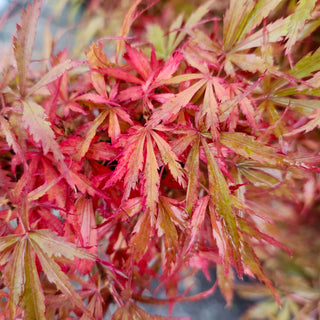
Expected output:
{"points": [[194, 145]]}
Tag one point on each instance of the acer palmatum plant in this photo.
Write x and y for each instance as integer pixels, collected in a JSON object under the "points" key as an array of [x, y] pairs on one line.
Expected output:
{"points": [[195, 146]]}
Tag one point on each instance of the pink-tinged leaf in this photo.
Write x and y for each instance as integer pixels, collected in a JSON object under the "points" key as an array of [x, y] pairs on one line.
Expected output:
{"points": [[12, 140], [229, 105], [235, 21], [118, 73], [192, 169], [175, 211], [130, 208], [97, 58], [181, 78], [131, 311], [55, 246], [226, 283], [88, 230], [14, 276], [151, 178], [169, 158], [55, 275], [209, 108], [122, 114], [89, 135], [248, 62], [95, 306], [194, 61], [33, 297], [130, 163], [53, 74], [34, 120], [130, 17], [275, 32], [57, 193], [248, 147], [197, 219], [167, 229], [252, 261], [114, 129], [170, 109], [100, 151], [132, 94], [8, 68], [309, 126], [248, 110], [138, 61], [7, 243], [139, 242], [94, 98], [181, 144], [170, 68], [251, 230], [40, 191], [24, 40], [85, 185], [222, 202]]}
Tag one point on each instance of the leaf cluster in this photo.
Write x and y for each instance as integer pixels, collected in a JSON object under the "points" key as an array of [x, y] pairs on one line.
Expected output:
{"points": [[194, 145]]}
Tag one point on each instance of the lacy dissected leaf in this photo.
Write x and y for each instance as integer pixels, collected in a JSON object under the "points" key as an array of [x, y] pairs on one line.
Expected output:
{"points": [[14, 276], [33, 297], [126, 25], [226, 283], [222, 203], [57, 192], [252, 261], [274, 31], [192, 169], [131, 311], [130, 163], [85, 185], [259, 175], [307, 65], [313, 123], [55, 246], [169, 158], [139, 242], [251, 230], [151, 177], [170, 109], [248, 62], [24, 40], [7, 242], [167, 229], [138, 61], [8, 69], [303, 106], [97, 58], [53, 74], [197, 219], [89, 135], [192, 21], [51, 268], [297, 20], [34, 120], [12, 139], [88, 230], [228, 105], [209, 109], [248, 147], [242, 17], [235, 21]]}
